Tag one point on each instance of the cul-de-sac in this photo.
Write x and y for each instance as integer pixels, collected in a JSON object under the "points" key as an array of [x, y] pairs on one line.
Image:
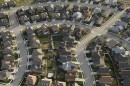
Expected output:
{"points": [[64, 42]]}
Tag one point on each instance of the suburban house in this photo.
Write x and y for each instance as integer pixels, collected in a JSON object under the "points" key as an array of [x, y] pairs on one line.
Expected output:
{"points": [[37, 60], [111, 43], [40, 9], [44, 16], [125, 74], [45, 82], [31, 80], [106, 80], [71, 75], [59, 8], [43, 30], [104, 71], [68, 66], [126, 82], [4, 75], [50, 8]]}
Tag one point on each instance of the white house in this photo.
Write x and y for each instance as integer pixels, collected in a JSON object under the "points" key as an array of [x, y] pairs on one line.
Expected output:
{"points": [[77, 15]]}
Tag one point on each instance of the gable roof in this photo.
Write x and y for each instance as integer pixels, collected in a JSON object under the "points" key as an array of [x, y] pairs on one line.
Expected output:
{"points": [[45, 82], [120, 58], [105, 80]]}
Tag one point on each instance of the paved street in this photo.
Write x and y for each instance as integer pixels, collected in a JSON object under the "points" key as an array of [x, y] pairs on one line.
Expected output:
{"points": [[80, 49]]}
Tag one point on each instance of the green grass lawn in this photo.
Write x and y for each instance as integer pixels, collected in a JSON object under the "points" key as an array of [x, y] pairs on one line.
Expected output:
{"points": [[44, 39], [49, 70], [1, 1], [57, 38], [24, 2], [80, 83], [73, 59], [49, 63], [80, 75]]}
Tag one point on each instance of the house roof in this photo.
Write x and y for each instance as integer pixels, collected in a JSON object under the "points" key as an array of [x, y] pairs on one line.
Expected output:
{"points": [[7, 50], [21, 11], [40, 8], [4, 22], [37, 52], [68, 66], [124, 65], [102, 38], [76, 7], [29, 30], [50, 7], [5, 66], [35, 17], [70, 76], [103, 70], [100, 20], [105, 80], [59, 7], [44, 15], [97, 10], [118, 49], [125, 73], [3, 75], [8, 57], [77, 15], [126, 82], [111, 43], [63, 52], [120, 58], [45, 82], [30, 80], [106, 13], [2, 15], [24, 18], [121, 23], [35, 43]]}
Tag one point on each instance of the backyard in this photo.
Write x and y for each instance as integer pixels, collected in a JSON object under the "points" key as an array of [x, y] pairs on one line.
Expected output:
{"points": [[57, 38]]}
